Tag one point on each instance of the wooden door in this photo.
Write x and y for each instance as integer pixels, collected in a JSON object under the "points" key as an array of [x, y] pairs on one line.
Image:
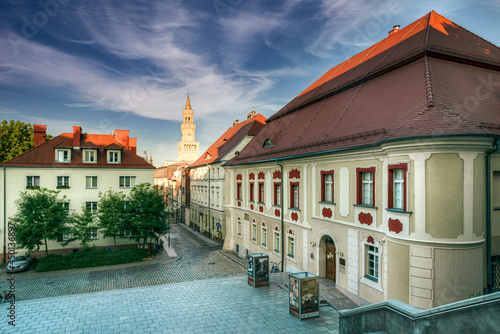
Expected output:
{"points": [[330, 261]]}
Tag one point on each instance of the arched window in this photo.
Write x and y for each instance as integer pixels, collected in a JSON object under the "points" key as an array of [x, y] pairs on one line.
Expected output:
{"points": [[267, 143]]}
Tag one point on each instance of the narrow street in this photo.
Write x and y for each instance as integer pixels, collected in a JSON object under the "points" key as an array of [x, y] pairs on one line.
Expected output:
{"points": [[197, 261]]}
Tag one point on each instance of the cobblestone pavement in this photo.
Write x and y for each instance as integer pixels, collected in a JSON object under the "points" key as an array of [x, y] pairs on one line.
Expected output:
{"points": [[224, 305], [196, 262]]}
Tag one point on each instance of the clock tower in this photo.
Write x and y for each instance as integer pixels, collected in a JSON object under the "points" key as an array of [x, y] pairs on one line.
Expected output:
{"points": [[188, 149]]}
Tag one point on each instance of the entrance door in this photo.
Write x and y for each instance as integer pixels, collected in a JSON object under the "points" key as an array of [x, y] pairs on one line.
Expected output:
{"points": [[330, 261]]}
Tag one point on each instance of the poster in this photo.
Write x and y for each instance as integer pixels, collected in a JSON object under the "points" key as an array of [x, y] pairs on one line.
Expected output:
{"points": [[310, 295], [294, 294]]}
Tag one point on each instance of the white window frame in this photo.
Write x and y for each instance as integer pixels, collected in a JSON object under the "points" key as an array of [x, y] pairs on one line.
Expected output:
{"points": [[65, 181], [89, 156], [367, 183], [254, 232], [124, 183], [291, 246], [63, 152], [365, 278], [92, 206], [113, 156], [276, 242], [398, 182], [94, 233], [33, 180], [264, 237], [91, 178]]}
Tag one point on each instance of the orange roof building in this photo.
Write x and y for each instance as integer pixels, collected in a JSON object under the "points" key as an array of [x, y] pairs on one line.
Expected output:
{"points": [[383, 174]]}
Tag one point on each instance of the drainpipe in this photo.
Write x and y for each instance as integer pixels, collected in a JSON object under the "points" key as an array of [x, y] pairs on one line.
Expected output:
{"points": [[209, 233], [281, 216], [4, 217], [488, 214]]}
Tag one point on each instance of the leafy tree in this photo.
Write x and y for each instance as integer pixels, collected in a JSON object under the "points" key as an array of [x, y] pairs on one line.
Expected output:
{"points": [[113, 214], [148, 212], [16, 137], [80, 227], [41, 216]]}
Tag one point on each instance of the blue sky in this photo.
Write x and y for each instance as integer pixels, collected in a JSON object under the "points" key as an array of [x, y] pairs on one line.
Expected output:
{"points": [[128, 64]]}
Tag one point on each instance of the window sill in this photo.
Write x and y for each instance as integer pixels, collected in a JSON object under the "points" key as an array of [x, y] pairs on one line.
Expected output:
{"points": [[89, 162], [63, 187], [264, 245], [33, 187], [290, 256], [90, 187], [496, 209], [276, 251], [366, 206], [371, 278], [251, 201], [254, 240], [324, 202], [398, 210], [294, 209], [276, 206]]}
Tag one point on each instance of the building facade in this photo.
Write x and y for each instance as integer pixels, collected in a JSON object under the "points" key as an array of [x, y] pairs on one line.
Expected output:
{"points": [[80, 166], [207, 213], [382, 175]]}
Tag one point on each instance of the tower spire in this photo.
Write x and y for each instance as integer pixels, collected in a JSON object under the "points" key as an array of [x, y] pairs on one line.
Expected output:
{"points": [[188, 102]]}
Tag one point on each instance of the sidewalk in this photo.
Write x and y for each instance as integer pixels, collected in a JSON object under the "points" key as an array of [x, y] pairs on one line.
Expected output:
{"points": [[327, 288]]}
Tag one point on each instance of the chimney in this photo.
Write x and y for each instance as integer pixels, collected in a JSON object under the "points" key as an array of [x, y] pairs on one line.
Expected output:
{"points": [[133, 145], [395, 29], [77, 131], [235, 122], [122, 136], [39, 134], [251, 114]]}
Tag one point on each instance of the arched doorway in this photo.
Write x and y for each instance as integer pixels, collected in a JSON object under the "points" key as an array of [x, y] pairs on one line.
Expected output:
{"points": [[330, 258]]}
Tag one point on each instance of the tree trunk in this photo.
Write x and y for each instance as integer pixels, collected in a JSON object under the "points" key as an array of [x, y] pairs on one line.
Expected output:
{"points": [[46, 248]]}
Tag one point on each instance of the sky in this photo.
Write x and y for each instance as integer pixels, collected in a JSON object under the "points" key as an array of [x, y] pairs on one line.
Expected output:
{"points": [[105, 64]]}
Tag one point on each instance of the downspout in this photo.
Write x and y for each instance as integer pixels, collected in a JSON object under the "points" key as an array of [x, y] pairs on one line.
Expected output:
{"points": [[282, 222], [488, 214], [4, 217], [209, 234]]}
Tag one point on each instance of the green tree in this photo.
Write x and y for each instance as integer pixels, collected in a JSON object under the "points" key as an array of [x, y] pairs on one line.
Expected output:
{"points": [[80, 227], [148, 213], [16, 137], [113, 214], [41, 216]]}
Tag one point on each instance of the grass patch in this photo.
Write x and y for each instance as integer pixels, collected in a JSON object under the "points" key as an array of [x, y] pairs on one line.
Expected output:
{"points": [[91, 258]]}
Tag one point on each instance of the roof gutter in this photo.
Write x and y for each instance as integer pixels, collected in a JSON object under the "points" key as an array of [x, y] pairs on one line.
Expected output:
{"points": [[488, 215], [282, 220]]}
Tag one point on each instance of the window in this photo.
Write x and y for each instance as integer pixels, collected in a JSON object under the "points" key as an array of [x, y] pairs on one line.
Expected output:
{"points": [[32, 182], [291, 247], [127, 233], [91, 182], [127, 181], [327, 186], [65, 206], [372, 262], [294, 195], [238, 191], [267, 143], [239, 228], [89, 156], [254, 232], [397, 187], [62, 155], [91, 207], [64, 237], [113, 156], [276, 241], [264, 236], [92, 232], [366, 186], [251, 191], [261, 192], [62, 182], [277, 194]]}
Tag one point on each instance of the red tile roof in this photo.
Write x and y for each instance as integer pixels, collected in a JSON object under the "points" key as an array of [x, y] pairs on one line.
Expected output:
{"points": [[44, 155], [225, 143], [419, 81]]}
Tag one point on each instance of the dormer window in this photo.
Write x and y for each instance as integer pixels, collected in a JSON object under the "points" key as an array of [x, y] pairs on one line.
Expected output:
{"points": [[114, 157], [90, 156], [267, 143], [63, 155]]}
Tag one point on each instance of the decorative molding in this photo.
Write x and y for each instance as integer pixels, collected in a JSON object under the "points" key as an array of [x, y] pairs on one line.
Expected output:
{"points": [[365, 218], [370, 240], [395, 226], [327, 212], [261, 209], [261, 176], [277, 213], [295, 216], [277, 174], [251, 176], [239, 177], [294, 174]]}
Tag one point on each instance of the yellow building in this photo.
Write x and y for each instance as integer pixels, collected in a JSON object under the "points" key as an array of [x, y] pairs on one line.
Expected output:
{"points": [[383, 175], [80, 166]]}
